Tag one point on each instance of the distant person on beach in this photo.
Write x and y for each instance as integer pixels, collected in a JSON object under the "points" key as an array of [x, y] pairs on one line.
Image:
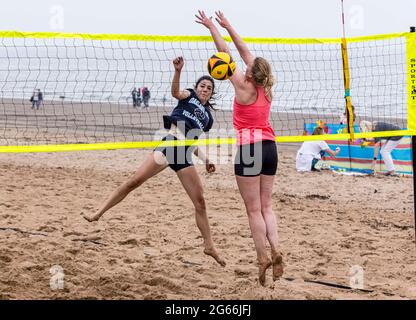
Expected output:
{"points": [[134, 95], [311, 152], [35, 99], [139, 97], [191, 117], [389, 143], [146, 96], [256, 159], [40, 98]]}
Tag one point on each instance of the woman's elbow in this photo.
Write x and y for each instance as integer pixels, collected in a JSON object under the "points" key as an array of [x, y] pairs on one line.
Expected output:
{"points": [[249, 58], [175, 94]]}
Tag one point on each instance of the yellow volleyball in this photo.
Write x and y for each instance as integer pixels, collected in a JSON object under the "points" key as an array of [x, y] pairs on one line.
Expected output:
{"points": [[221, 66]]}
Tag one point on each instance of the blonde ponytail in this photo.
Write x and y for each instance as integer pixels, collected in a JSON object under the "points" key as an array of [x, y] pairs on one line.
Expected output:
{"points": [[262, 75]]}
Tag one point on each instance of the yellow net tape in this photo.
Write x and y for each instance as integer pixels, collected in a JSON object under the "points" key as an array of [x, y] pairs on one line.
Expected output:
{"points": [[159, 38], [200, 142]]}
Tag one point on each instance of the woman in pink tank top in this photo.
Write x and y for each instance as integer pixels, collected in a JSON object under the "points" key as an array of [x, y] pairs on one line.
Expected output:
{"points": [[256, 160]]}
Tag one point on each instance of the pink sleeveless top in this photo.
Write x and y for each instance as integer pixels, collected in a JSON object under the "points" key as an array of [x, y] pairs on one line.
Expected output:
{"points": [[251, 122]]}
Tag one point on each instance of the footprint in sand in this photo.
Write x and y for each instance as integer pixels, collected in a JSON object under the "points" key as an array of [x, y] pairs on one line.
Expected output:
{"points": [[144, 242], [208, 286], [116, 218], [112, 262], [73, 251], [151, 251], [88, 238], [132, 242], [242, 272], [129, 261], [6, 216], [47, 229], [155, 296], [72, 233], [6, 259], [163, 282], [317, 272]]}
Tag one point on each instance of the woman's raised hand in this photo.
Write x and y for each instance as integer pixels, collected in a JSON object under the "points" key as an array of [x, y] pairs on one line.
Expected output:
{"points": [[222, 20], [203, 19], [178, 63]]}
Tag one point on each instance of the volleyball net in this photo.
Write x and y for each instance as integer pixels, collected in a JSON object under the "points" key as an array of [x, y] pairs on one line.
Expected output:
{"points": [[62, 92]]}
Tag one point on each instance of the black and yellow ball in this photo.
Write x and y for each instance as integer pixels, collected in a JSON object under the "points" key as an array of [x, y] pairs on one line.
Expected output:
{"points": [[221, 66]]}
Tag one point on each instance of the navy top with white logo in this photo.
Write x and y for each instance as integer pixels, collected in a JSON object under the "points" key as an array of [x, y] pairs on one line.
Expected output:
{"points": [[191, 114]]}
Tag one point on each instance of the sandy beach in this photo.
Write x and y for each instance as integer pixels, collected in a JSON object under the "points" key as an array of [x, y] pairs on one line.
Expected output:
{"points": [[148, 246]]}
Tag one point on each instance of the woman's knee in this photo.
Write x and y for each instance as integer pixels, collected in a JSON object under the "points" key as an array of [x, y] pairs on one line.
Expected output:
{"points": [[253, 211], [266, 209], [199, 203], [198, 200]]}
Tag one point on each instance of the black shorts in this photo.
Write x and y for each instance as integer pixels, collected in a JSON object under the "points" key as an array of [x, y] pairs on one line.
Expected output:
{"points": [[178, 157], [256, 158]]}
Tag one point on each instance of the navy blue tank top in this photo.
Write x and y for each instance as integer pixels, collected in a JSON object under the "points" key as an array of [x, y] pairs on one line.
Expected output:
{"points": [[190, 114]]}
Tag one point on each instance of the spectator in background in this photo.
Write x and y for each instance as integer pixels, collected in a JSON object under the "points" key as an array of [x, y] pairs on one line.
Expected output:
{"points": [[134, 95], [139, 98], [390, 143], [311, 152], [146, 96], [35, 99], [40, 98]]}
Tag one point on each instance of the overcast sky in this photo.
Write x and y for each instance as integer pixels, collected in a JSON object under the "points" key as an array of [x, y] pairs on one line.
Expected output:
{"points": [[258, 18]]}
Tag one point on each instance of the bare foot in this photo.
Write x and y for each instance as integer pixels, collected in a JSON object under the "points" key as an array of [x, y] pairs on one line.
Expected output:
{"points": [[262, 271], [214, 254], [277, 261], [90, 219]]}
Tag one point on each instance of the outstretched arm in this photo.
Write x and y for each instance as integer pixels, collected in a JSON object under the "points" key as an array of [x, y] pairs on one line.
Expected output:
{"points": [[210, 167], [216, 36], [238, 77], [241, 46], [175, 89], [333, 153]]}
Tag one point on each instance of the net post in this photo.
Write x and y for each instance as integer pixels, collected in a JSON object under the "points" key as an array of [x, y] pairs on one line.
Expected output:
{"points": [[348, 105], [414, 179], [413, 29]]}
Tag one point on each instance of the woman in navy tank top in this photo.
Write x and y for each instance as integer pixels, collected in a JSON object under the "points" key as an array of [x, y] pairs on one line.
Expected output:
{"points": [[190, 117]]}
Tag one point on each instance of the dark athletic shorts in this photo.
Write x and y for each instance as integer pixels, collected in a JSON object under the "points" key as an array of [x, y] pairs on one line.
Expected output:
{"points": [[256, 158], [178, 157]]}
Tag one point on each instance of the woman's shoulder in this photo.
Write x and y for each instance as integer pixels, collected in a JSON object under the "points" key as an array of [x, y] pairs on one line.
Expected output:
{"points": [[262, 91], [192, 93]]}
